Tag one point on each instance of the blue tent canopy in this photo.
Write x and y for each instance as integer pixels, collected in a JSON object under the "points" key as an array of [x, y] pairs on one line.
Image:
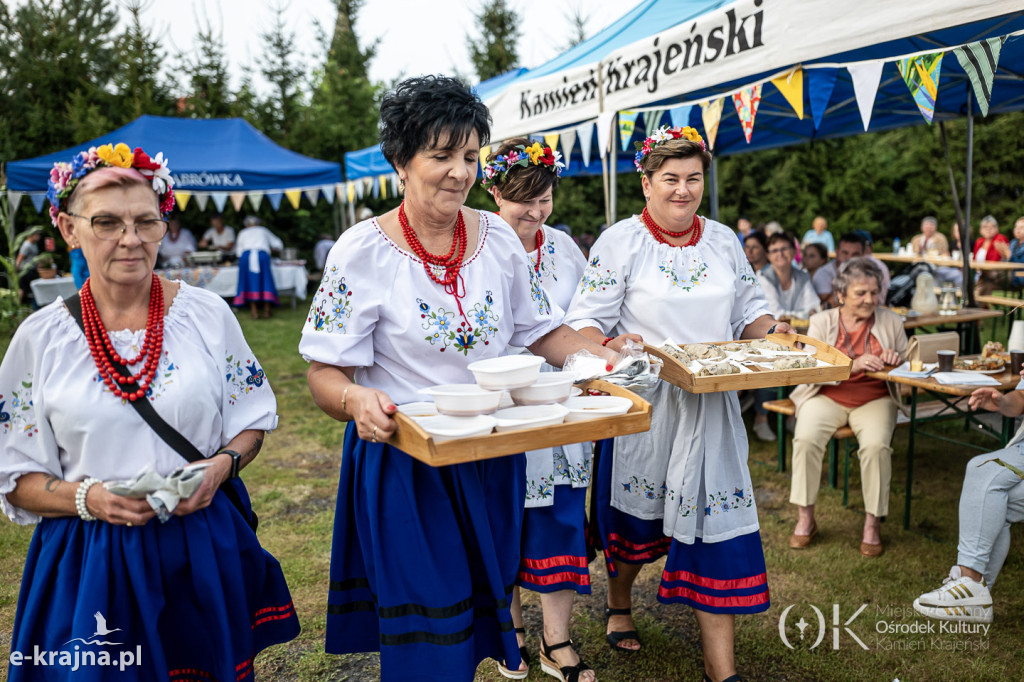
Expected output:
{"points": [[212, 155]]}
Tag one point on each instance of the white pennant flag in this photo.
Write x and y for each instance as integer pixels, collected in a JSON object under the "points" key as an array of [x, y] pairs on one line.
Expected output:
{"points": [[255, 199], [312, 194], [14, 198], [201, 199], [585, 133], [219, 199], [394, 184], [866, 76], [604, 131], [328, 192], [360, 188], [568, 142]]}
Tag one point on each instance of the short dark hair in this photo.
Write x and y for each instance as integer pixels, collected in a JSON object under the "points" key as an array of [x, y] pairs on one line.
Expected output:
{"points": [[680, 148], [421, 111], [853, 238], [819, 247], [783, 237], [523, 183], [757, 237]]}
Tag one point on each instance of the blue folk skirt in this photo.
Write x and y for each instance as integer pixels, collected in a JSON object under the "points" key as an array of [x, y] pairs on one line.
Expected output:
{"points": [[554, 544], [424, 560], [254, 287], [195, 598], [717, 577]]}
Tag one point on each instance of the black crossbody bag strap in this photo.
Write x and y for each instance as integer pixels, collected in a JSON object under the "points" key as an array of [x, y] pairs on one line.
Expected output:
{"points": [[168, 433]]}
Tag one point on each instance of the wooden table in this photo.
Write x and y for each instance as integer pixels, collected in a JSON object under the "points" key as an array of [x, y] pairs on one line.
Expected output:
{"points": [[964, 319], [946, 262], [954, 398]]}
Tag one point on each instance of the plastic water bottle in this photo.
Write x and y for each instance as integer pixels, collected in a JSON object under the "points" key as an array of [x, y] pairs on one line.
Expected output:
{"points": [[896, 245]]}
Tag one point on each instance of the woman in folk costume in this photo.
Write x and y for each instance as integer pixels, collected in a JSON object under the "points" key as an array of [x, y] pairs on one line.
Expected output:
{"points": [[255, 274], [424, 558], [192, 595], [522, 177], [683, 488]]}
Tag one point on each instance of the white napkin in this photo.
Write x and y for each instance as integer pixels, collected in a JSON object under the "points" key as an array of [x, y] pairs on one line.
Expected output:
{"points": [[162, 492], [904, 370], [964, 379]]}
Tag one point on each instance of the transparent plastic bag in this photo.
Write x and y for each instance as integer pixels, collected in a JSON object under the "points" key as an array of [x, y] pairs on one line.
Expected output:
{"points": [[633, 369]]}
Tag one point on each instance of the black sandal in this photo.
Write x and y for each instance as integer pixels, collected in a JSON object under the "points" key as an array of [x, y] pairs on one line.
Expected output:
{"points": [[566, 673], [523, 654], [617, 636]]}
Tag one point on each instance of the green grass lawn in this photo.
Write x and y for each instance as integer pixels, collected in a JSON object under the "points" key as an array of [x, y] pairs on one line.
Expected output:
{"points": [[293, 484]]}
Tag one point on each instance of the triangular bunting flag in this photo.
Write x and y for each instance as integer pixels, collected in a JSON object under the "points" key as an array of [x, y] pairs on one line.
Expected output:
{"points": [[604, 131], [275, 199], [384, 186], [551, 140], [746, 102], [711, 113], [201, 199], [182, 196], [820, 84], [585, 134], [237, 199], [792, 88], [219, 200], [255, 199], [680, 115], [627, 124], [652, 119], [311, 194], [360, 188], [979, 60], [328, 193], [921, 74], [568, 142], [37, 200], [15, 199], [866, 76], [484, 153], [394, 184], [375, 187], [294, 197], [351, 192]]}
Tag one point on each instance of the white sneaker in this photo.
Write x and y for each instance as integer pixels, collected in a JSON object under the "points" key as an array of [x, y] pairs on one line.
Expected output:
{"points": [[763, 431], [960, 598]]}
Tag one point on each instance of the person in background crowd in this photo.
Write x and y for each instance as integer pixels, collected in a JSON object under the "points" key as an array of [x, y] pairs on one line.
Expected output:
{"points": [[990, 246], [850, 246], [882, 267], [176, 244], [320, 251], [931, 242], [218, 236], [819, 234], [743, 227], [1017, 252], [755, 246], [815, 256], [24, 264], [255, 273]]}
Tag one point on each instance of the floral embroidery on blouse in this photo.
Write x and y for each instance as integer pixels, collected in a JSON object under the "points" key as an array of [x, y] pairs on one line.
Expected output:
{"points": [[747, 275], [547, 265], [539, 296], [643, 488], [16, 413], [593, 279], [163, 378], [331, 305], [688, 508], [540, 488], [242, 378], [696, 276], [725, 501], [445, 330], [577, 476]]}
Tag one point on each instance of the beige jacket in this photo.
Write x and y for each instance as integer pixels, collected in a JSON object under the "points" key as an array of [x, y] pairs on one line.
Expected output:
{"points": [[888, 329]]}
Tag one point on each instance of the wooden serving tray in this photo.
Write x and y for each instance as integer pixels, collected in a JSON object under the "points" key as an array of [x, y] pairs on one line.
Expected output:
{"points": [[412, 439], [675, 372]]}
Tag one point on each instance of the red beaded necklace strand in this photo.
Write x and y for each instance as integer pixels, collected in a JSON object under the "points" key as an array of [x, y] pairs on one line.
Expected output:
{"points": [[452, 262], [695, 230], [104, 355], [540, 243]]}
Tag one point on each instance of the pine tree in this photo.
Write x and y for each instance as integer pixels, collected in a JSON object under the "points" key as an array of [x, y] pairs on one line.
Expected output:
{"points": [[139, 83], [207, 72], [281, 68], [493, 51]]}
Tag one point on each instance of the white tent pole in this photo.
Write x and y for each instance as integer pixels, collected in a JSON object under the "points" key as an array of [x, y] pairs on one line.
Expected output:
{"points": [[965, 230], [714, 188], [613, 174]]}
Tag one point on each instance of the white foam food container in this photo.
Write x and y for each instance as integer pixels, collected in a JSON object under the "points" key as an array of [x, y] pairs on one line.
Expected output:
{"points": [[506, 372], [584, 407], [445, 427], [529, 416], [550, 387], [463, 400]]}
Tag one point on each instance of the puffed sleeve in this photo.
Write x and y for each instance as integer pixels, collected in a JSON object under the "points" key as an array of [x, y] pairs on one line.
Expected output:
{"points": [[345, 308], [27, 443], [749, 302], [598, 299], [275, 242], [771, 295], [809, 300], [534, 313]]}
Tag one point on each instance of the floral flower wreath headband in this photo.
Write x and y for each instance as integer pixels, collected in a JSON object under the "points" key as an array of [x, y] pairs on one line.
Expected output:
{"points": [[523, 156], [661, 135], [64, 177]]}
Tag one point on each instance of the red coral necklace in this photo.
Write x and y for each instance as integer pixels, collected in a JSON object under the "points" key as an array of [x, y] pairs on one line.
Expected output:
{"points": [[103, 354], [540, 243], [695, 230], [451, 262]]}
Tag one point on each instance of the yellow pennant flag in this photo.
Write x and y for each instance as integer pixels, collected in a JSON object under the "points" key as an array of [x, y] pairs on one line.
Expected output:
{"points": [[551, 141], [294, 195], [182, 196], [711, 113], [384, 186], [237, 199], [351, 192], [792, 88], [484, 153]]}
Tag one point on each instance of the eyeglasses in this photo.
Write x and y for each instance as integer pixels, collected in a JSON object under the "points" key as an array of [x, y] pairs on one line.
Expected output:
{"points": [[110, 228], [780, 250]]}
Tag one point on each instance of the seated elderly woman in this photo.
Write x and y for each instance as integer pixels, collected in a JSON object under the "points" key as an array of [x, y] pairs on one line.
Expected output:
{"points": [[872, 337]]}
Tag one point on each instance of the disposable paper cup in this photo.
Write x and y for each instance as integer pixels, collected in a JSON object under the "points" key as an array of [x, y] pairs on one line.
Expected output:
{"points": [[946, 360], [1016, 361]]}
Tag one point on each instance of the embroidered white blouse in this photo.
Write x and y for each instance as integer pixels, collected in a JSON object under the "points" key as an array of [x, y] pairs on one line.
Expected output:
{"points": [[690, 468], [561, 265], [376, 310], [57, 417]]}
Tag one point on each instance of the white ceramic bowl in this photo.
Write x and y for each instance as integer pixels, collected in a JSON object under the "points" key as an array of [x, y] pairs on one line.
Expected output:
{"points": [[507, 372], [463, 400], [550, 387], [419, 410], [584, 407], [529, 416], [444, 427]]}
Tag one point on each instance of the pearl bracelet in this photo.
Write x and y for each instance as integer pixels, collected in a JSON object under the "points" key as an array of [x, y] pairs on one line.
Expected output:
{"points": [[83, 490]]}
